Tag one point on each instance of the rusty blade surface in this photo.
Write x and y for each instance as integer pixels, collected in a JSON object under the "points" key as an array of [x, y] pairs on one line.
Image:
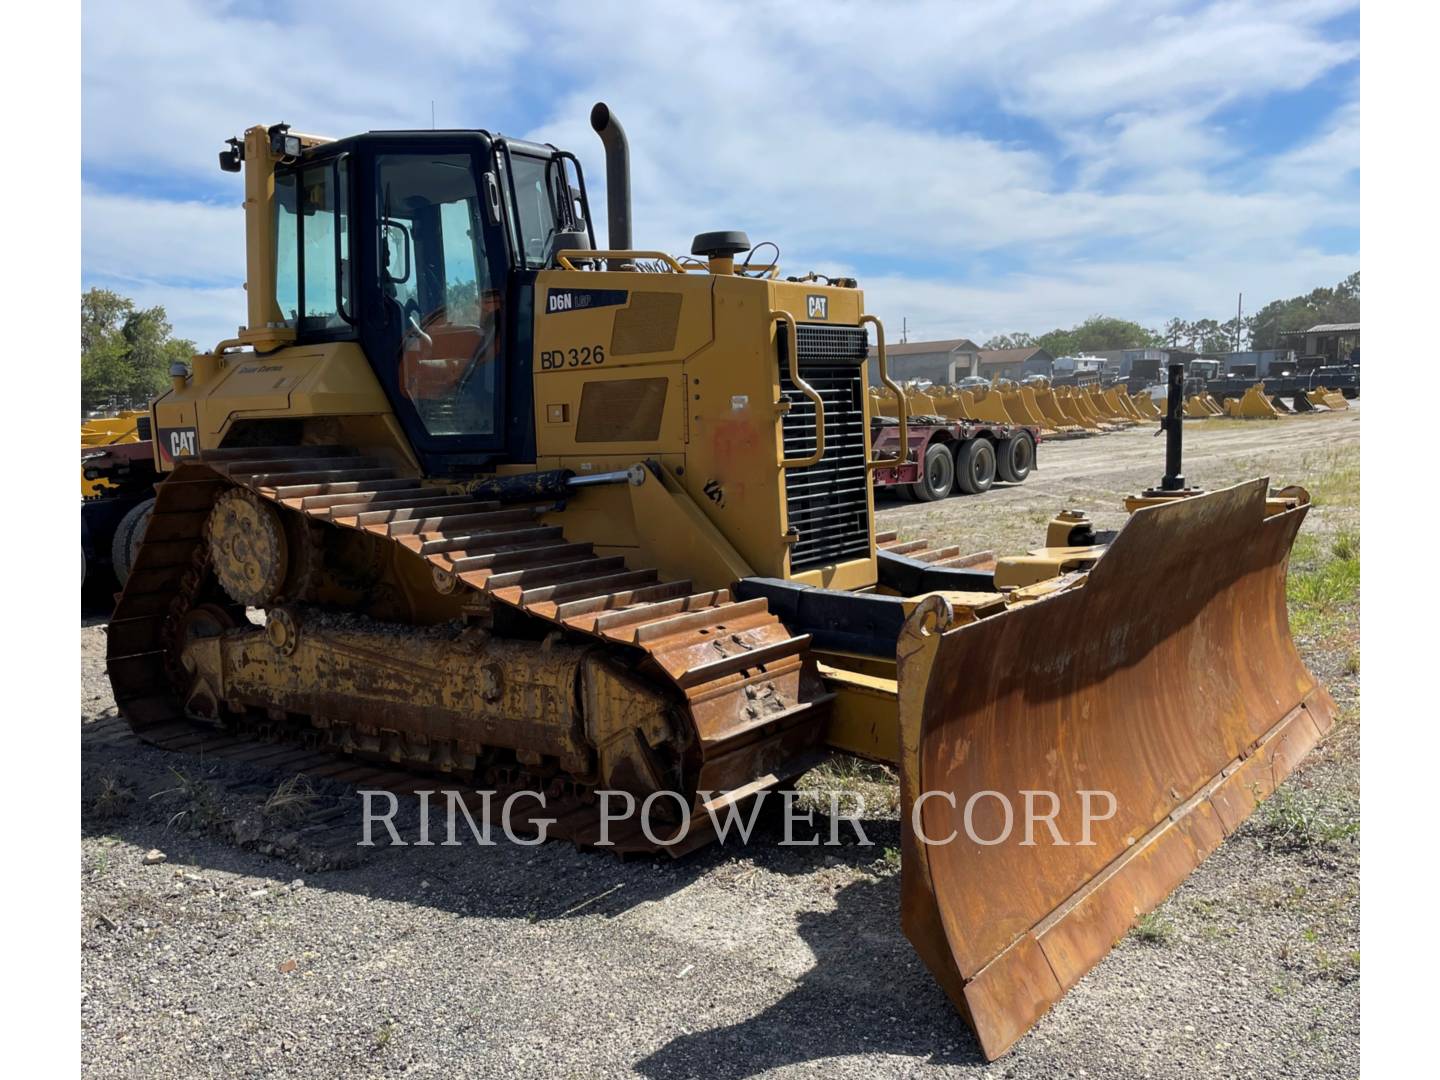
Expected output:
{"points": [[1169, 678]]}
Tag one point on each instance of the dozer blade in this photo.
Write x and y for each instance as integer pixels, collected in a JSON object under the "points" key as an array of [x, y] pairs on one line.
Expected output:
{"points": [[1168, 679]]}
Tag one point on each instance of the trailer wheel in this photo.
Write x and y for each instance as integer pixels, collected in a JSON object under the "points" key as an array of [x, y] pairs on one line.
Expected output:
{"points": [[1016, 457], [975, 466], [128, 535], [937, 474]]}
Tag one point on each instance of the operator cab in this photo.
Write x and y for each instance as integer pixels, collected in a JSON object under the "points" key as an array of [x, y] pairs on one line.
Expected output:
{"points": [[423, 247]]}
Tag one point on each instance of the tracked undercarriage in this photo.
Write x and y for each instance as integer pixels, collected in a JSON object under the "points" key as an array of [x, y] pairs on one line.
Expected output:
{"points": [[448, 634]]}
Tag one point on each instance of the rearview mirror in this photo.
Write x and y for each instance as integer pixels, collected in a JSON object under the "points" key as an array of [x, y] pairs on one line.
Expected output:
{"points": [[394, 252]]}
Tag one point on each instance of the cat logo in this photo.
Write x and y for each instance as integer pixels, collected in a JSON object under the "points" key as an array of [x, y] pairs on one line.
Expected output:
{"points": [[176, 443], [817, 307]]}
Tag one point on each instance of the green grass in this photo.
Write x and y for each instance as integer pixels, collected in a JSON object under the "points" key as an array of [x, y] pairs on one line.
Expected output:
{"points": [[199, 805], [113, 798], [1306, 821], [1324, 583], [292, 801], [1337, 480], [877, 784], [1154, 929]]}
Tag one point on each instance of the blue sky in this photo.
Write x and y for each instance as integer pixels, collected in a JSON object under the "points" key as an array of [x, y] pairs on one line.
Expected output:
{"points": [[980, 167]]}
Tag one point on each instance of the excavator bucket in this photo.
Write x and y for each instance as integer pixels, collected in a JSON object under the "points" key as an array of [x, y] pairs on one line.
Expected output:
{"points": [[921, 402], [952, 404], [1106, 409], [1021, 407], [1070, 406], [1196, 409], [1120, 404], [1086, 406], [1049, 405], [1252, 405], [1097, 714], [1030, 405], [983, 404], [1145, 407]]}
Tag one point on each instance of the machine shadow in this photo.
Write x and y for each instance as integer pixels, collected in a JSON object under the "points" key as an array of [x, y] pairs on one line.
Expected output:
{"points": [[864, 967], [866, 972]]}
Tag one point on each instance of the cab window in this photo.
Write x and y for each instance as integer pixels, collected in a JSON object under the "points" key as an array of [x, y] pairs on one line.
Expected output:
{"points": [[312, 256], [435, 278], [533, 217]]}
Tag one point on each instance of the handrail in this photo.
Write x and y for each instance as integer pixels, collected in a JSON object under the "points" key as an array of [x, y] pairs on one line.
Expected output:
{"points": [[564, 257], [792, 342], [904, 452], [770, 270]]}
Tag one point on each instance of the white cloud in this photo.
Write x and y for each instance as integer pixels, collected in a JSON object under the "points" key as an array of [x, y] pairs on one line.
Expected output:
{"points": [[1146, 56], [856, 140], [162, 239], [1326, 163], [1148, 293], [164, 84]]}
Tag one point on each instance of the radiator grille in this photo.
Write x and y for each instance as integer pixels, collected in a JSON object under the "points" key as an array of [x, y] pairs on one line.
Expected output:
{"points": [[826, 502]]}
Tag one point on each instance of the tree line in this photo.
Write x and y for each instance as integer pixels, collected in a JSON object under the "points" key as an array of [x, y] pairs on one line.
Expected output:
{"points": [[125, 351], [1260, 330]]}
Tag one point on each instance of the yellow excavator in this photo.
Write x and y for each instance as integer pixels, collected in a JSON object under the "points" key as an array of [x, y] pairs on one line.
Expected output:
{"points": [[530, 513]]}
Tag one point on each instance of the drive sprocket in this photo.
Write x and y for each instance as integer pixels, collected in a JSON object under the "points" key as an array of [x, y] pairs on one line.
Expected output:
{"points": [[249, 551]]}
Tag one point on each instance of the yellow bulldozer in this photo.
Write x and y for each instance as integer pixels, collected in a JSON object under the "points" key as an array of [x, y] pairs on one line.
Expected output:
{"points": [[530, 513]]}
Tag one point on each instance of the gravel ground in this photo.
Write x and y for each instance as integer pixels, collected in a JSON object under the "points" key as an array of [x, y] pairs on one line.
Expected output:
{"points": [[224, 960]]}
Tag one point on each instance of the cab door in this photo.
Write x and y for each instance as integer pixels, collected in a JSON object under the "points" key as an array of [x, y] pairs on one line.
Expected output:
{"points": [[435, 296]]}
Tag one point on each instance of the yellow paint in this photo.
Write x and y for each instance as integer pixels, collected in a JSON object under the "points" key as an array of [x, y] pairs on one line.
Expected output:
{"points": [[862, 716]]}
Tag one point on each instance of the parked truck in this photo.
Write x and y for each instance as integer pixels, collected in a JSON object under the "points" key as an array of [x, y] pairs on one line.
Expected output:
{"points": [[959, 437], [953, 455]]}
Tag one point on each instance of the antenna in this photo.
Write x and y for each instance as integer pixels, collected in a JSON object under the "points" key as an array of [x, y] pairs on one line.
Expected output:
{"points": [[904, 330], [432, 114]]}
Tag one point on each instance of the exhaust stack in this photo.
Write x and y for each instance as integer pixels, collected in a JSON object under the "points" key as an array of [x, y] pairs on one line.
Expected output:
{"points": [[617, 174]]}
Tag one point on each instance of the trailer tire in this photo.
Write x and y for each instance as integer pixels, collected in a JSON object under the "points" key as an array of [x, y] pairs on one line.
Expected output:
{"points": [[1016, 457], [975, 466], [937, 474], [128, 535]]}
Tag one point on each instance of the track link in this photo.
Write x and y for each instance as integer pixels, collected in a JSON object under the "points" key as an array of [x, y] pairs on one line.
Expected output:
{"points": [[757, 714]]}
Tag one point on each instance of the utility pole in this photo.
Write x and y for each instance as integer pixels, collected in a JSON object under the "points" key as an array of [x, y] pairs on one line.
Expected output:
{"points": [[1239, 307]]}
